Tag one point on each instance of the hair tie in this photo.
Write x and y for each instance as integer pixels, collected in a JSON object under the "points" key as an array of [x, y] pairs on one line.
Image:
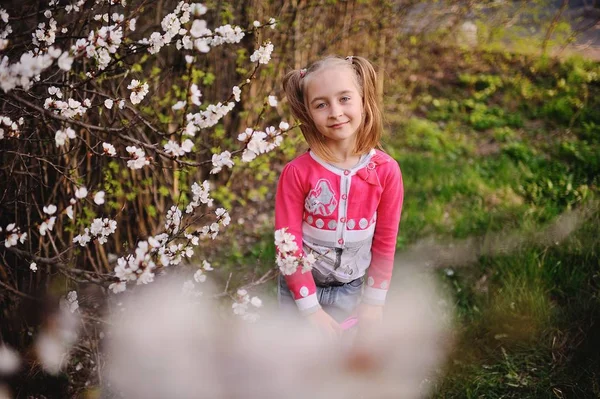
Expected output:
{"points": [[349, 58], [302, 73]]}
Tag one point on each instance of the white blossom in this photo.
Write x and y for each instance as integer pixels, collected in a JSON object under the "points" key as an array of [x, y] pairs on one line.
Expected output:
{"points": [[81, 192], [33, 267], [70, 302], [206, 265], [50, 209], [199, 28], [223, 216], [199, 276], [61, 136], [195, 94], [178, 105], [118, 287], [272, 101], [138, 91], [65, 61], [139, 158], [99, 198], [108, 103], [283, 126], [109, 149], [237, 93], [288, 264], [256, 302], [47, 225]]}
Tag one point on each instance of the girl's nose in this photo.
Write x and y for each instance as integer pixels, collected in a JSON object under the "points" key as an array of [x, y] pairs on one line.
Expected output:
{"points": [[335, 111]]}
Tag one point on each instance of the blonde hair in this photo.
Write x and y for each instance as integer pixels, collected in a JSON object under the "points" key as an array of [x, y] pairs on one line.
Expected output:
{"points": [[369, 132]]}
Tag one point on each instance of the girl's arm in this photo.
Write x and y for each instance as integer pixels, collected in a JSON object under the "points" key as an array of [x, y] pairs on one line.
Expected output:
{"points": [[386, 231], [289, 208]]}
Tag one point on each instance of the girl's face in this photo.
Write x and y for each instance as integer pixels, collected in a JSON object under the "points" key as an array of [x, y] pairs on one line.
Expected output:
{"points": [[335, 104]]}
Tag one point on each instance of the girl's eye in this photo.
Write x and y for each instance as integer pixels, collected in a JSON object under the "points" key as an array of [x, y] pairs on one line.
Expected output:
{"points": [[320, 105], [345, 98]]}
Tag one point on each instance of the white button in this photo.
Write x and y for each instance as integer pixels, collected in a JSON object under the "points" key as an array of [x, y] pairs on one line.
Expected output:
{"points": [[363, 223], [304, 291]]}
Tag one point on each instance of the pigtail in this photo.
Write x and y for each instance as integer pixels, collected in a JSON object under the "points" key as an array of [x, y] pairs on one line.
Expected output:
{"points": [[292, 86], [373, 119]]}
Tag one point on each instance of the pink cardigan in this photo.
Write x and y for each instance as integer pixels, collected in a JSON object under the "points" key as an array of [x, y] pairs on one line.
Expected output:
{"points": [[348, 218]]}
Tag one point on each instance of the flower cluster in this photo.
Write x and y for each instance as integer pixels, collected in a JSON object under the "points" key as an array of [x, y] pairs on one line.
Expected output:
{"points": [[139, 266], [220, 160], [61, 136], [287, 248], [201, 195], [258, 142], [100, 44], [139, 158], [69, 108], [200, 276], [26, 70], [243, 302], [99, 229], [173, 148], [44, 37], [70, 302], [212, 230], [13, 235], [207, 118], [9, 128], [263, 54], [6, 31], [173, 220], [189, 288]]}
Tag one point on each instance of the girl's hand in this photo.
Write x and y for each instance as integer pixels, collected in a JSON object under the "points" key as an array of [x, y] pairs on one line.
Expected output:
{"points": [[369, 315], [325, 323]]}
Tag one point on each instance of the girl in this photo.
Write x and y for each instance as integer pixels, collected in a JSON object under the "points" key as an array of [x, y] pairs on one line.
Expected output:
{"points": [[342, 199]]}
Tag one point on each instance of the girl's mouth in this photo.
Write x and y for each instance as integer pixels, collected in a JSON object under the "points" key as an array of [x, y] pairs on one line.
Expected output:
{"points": [[338, 125]]}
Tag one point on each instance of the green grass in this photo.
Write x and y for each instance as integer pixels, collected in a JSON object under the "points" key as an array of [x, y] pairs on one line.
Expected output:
{"points": [[528, 332], [507, 146]]}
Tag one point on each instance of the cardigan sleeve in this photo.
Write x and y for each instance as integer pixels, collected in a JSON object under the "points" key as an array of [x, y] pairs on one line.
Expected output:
{"points": [[383, 249], [289, 208]]}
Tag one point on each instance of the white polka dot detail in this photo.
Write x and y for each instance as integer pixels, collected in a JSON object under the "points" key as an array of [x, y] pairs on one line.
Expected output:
{"points": [[370, 281], [351, 224], [304, 291], [309, 219], [332, 224], [384, 285], [363, 223], [320, 223]]}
